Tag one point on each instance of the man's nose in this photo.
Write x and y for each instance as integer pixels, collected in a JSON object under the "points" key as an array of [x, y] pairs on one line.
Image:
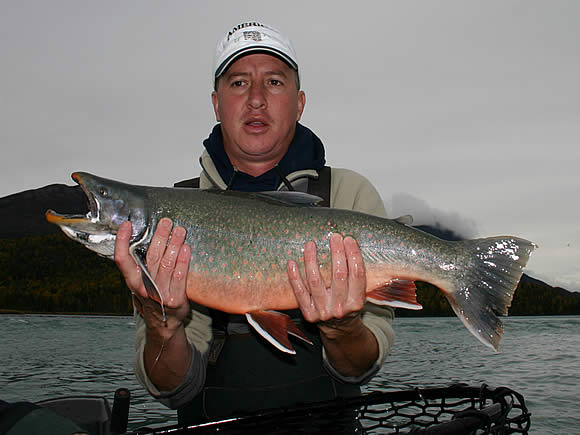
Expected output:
{"points": [[256, 96]]}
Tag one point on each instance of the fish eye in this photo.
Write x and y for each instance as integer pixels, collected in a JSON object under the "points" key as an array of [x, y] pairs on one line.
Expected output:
{"points": [[103, 192]]}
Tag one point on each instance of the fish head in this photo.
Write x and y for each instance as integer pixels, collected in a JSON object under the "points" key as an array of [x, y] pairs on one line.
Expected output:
{"points": [[110, 204]]}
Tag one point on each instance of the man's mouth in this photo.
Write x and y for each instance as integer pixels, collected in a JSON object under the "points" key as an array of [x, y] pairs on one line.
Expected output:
{"points": [[256, 125]]}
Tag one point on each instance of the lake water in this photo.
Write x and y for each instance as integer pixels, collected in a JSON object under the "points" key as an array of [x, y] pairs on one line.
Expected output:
{"points": [[44, 357]]}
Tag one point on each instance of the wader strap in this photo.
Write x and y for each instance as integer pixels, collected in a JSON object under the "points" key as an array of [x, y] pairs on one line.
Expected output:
{"points": [[321, 186]]}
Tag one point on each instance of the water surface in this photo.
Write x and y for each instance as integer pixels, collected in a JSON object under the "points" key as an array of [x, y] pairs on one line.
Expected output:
{"points": [[44, 357]]}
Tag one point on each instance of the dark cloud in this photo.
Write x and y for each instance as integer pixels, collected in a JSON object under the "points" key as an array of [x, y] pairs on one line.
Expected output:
{"points": [[423, 214]]}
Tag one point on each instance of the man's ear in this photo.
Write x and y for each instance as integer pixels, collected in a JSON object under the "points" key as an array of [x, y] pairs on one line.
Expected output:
{"points": [[214, 101], [301, 104]]}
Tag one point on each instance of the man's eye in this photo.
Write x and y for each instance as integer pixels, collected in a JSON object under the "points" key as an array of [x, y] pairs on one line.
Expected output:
{"points": [[237, 83], [275, 82]]}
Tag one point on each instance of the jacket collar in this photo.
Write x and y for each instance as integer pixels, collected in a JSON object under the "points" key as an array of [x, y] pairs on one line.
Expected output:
{"points": [[304, 157]]}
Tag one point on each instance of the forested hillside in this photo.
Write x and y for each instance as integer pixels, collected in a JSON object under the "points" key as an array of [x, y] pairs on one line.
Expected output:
{"points": [[54, 274]]}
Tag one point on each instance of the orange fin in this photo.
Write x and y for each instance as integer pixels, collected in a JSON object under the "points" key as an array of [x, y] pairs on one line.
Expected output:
{"points": [[275, 327], [398, 293]]}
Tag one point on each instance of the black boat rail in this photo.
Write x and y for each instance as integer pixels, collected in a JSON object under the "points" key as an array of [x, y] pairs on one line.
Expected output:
{"points": [[457, 409]]}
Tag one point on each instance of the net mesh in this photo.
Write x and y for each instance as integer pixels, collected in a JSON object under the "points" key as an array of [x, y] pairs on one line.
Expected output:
{"points": [[457, 409]]}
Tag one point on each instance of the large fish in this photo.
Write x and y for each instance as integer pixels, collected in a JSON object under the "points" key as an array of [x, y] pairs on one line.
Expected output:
{"points": [[241, 243]]}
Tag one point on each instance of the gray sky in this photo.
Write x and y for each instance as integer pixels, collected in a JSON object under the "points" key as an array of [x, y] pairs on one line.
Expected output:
{"points": [[460, 112]]}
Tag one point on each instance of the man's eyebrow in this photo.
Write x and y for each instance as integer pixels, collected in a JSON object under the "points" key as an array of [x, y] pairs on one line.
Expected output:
{"points": [[275, 72], [231, 74]]}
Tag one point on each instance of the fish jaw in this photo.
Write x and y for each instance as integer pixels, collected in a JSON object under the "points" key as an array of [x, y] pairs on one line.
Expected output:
{"points": [[110, 203], [87, 231]]}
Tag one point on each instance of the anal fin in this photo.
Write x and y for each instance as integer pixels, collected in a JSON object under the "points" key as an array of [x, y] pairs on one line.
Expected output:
{"points": [[275, 327], [397, 293]]}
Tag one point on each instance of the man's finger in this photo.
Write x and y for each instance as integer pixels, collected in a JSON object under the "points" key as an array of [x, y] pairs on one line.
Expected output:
{"points": [[356, 274], [301, 291], [129, 269], [158, 245], [313, 278], [177, 290], [166, 265], [322, 296], [340, 274]]}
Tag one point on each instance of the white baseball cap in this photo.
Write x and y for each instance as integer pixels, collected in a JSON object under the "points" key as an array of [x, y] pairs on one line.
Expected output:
{"points": [[251, 37]]}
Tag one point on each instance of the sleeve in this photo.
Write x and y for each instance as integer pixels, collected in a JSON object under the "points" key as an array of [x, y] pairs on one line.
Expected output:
{"points": [[199, 335], [352, 191]]}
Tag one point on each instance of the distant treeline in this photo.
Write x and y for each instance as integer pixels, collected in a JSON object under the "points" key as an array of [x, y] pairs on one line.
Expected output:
{"points": [[53, 274]]}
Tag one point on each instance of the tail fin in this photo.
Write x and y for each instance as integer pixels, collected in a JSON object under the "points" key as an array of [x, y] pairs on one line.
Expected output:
{"points": [[488, 283]]}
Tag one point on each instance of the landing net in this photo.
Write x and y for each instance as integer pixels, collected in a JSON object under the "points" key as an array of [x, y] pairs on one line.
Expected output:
{"points": [[457, 409]]}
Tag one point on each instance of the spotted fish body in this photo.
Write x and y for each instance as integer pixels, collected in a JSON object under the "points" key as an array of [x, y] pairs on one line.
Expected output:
{"points": [[241, 243]]}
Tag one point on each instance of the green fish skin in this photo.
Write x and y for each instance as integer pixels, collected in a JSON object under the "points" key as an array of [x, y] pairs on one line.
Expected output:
{"points": [[241, 243]]}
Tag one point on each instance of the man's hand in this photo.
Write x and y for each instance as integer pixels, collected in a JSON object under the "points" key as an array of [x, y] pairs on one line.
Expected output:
{"points": [[346, 293], [167, 351], [350, 346]]}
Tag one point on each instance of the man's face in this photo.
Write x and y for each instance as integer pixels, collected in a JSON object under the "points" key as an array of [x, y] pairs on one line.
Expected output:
{"points": [[258, 104]]}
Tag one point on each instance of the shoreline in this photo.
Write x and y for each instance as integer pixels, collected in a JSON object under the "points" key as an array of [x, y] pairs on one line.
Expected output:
{"points": [[47, 313]]}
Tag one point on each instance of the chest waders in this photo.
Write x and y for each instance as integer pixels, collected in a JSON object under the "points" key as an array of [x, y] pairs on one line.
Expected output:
{"points": [[246, 373]]}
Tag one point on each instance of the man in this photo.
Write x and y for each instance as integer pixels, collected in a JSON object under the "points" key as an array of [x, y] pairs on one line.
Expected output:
{"points": [[208, 364]]}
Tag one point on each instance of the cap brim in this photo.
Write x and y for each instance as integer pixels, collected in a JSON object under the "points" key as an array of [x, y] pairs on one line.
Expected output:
{"points": [[255, 48]]}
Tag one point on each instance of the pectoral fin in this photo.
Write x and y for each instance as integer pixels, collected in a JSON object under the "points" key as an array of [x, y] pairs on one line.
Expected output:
{"points": [[148, 281], [398, 293], [275, 327]]}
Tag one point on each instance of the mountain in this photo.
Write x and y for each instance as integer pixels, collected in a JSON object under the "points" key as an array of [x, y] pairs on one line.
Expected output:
{"points": [[557, 290], [22, 214]]}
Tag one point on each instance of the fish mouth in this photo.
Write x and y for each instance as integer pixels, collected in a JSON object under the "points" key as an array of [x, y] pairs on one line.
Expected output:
{"points": [[65, 219], [91, 217]]}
